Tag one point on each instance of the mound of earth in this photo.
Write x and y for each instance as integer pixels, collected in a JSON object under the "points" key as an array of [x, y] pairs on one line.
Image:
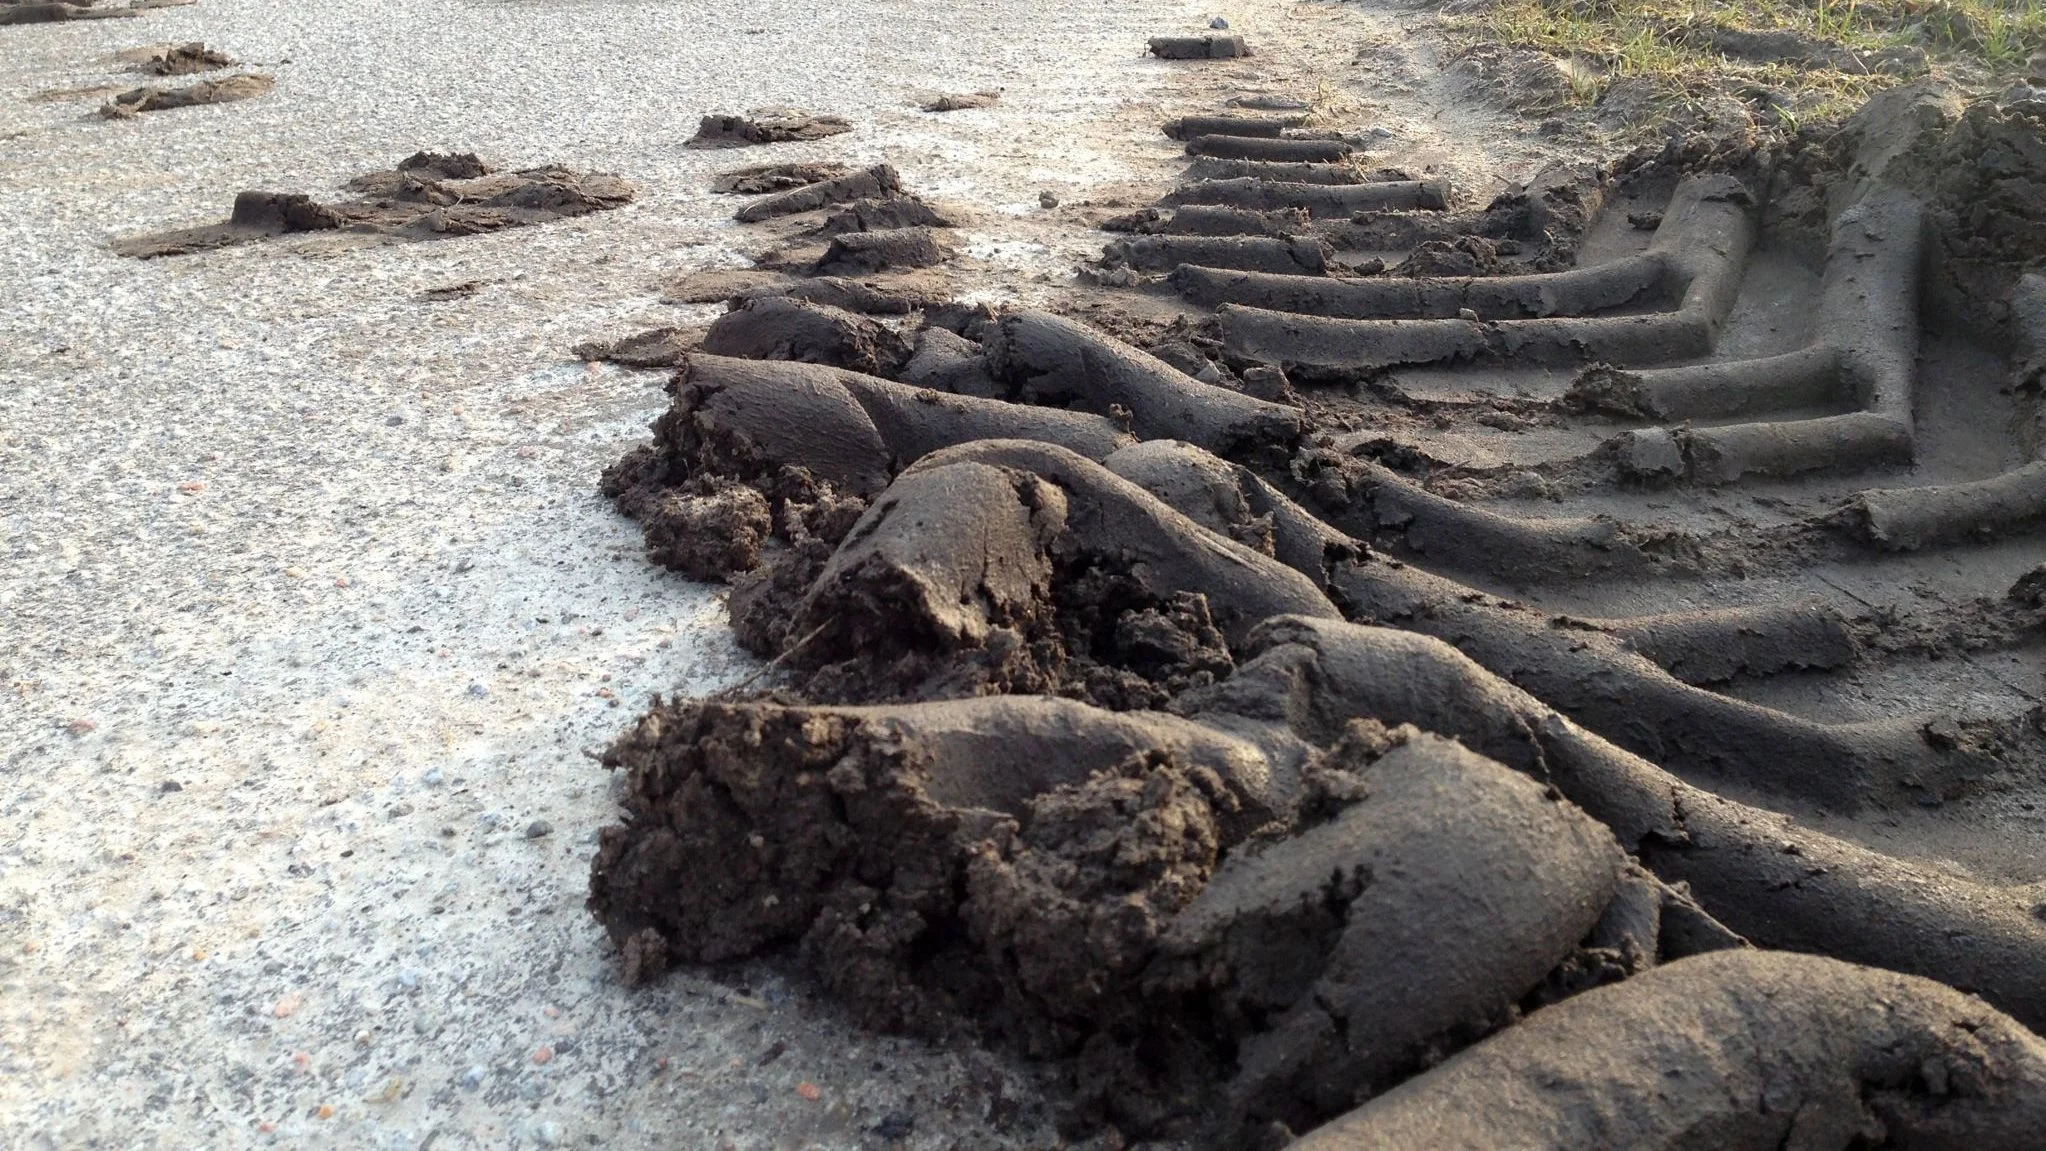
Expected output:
{"points": [[427, 196], [1445, 708]]}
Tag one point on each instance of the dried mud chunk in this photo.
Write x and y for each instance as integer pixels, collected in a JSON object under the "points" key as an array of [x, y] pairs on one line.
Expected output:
{"points": [[765, 128], [15, 13], [960, 102], [1203, 47], [883, 215], [707, 537], [752, 826], [773, 328], [1343, 955], [876, 183], [863, 253], [748, 418], [895, 583], [1047, 359], [949, 362], [653, 348], [184, 59], [429, 195], [761, 179], [1745, 1050], [1463, 257], [153, 99]]}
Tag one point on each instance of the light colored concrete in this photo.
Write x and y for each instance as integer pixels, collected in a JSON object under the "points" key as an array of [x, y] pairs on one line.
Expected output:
{"points": [[329, 561]]}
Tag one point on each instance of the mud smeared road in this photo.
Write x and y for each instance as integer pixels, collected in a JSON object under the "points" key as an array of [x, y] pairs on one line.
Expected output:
{"points": [[1427, 625]]}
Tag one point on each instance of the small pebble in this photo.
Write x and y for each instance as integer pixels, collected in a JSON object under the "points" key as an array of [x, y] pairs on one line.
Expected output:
{"points": [[433, 777], [1048, 200], [547, 1134], [1218, 23], [809, 1091], [472, 1079], [539, 829], [479, 691], [287, 1007], [544, 1055], [170, 785], [408, 979], [895, 1125]]}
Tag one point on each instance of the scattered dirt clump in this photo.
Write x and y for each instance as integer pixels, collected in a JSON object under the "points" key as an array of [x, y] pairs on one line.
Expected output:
{"points": [[664, 347], [183, 60], [779, 126], [427, 196], [762, 179], [133, 103], [960, 102]]}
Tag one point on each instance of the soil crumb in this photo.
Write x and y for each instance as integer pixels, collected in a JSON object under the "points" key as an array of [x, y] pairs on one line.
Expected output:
{"points": [[427, 196]]}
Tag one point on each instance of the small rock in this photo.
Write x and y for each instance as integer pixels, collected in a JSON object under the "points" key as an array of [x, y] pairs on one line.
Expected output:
{"points": [[1047, 200], [479, 691], [1218, 23], [809, 1091], [408, 979], [433, 777], [399, 810], [1467, 314], [472, 1079], [539, 829], [895, 1125], [547, 1134], [393, 421], [170, 785], [287, 1007], [544, 1055], [426, 1024]]}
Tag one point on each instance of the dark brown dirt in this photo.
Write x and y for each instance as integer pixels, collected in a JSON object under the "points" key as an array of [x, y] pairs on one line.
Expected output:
{"points": [[427, 196]]}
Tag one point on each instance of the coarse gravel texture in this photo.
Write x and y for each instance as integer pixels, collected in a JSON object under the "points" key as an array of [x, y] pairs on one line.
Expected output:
{"points": [[310, 608]]}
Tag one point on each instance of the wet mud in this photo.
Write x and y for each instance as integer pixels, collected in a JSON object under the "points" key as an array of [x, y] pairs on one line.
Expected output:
{"points": [[427, 196], [1440, 672]]}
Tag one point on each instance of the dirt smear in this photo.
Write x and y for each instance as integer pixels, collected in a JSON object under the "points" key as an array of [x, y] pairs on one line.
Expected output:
{"points": [[427, 196]]}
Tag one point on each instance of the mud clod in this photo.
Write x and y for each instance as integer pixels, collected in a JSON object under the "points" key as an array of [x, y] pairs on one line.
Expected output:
{"points": [[427, 196], [154, 99], [776, 127]]}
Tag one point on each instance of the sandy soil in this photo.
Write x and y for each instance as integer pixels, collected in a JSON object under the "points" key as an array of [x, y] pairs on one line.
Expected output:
{"points": [[312, 608]]}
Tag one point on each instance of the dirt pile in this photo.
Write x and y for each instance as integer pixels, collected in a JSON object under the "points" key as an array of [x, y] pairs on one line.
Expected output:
{"points": [[427, 196], [1160, 715]]}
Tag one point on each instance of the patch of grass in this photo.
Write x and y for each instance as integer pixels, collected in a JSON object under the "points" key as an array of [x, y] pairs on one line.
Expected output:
{"points": [[1820, 58]]}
